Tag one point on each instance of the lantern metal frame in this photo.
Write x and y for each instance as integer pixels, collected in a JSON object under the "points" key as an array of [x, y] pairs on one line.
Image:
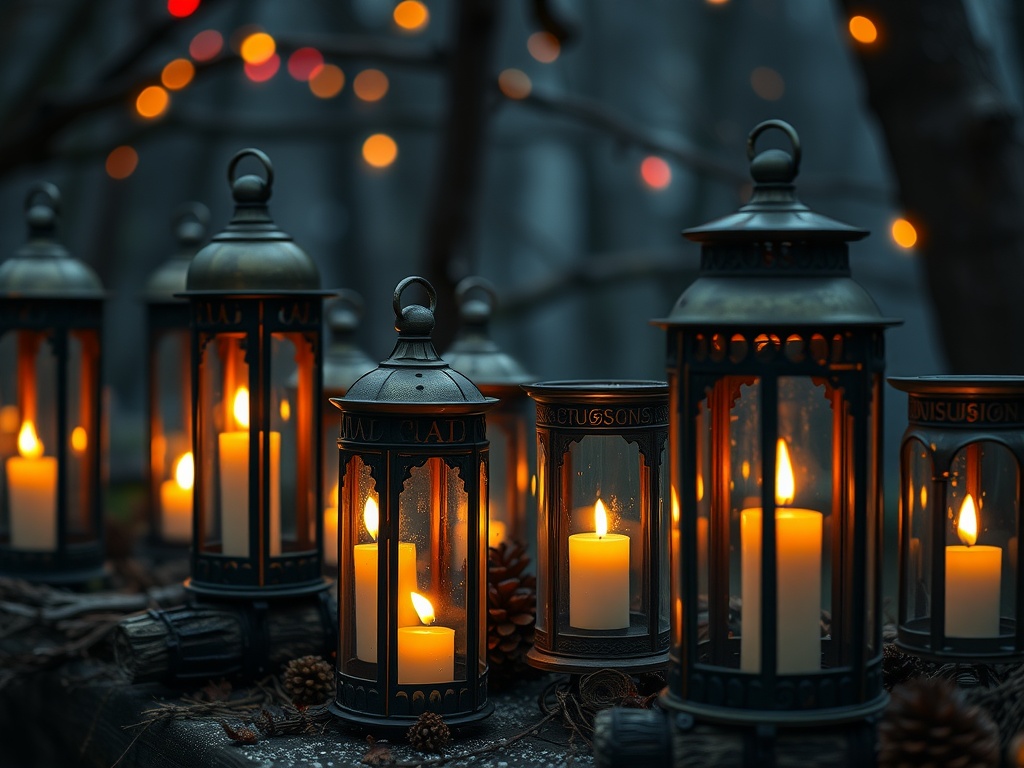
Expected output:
{"points": [[412, 414], [569, 412], [774, 305], [964, 431], [52, 302]]}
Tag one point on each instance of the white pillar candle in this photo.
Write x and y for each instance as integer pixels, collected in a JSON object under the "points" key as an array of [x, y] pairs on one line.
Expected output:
{"points": [[32, 492], [176, 502], [599, 577], [426, 654], [973, 575]]}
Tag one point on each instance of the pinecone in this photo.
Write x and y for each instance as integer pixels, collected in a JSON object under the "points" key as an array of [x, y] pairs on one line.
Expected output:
{"points": [[930, 724], [511, 612], [309, 680], [899, 667], [429, 733]]}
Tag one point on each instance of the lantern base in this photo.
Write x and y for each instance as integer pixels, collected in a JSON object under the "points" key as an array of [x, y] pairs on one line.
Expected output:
{"points": [[399, 724], [914, 637], [77, 568], [270, 592], [569, 665], [783, 718]]}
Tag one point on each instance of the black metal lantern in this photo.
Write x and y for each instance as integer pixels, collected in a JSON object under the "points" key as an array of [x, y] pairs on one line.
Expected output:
{"points": [[51, 315], [413, 547], [960, 591], [775, 362], [602, 530], [169, 386], [255, 304], [509, 423]]}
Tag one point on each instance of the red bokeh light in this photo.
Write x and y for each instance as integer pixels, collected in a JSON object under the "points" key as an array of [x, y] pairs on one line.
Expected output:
{"points": [[260, 73], [182, 8], [655, 172], [206, 45], [304, 62]]}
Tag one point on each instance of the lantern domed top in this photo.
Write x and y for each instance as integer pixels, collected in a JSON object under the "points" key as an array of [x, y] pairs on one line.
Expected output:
{"points": [[169, 278], [344, 360], [251, 254], [415, 376], [42, 267]]}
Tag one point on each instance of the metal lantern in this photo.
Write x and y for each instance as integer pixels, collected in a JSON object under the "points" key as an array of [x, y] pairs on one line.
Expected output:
{"points": [[51, 315], [255, 304], [775, 362], [960, 590], [169, 385], [602, 529], [498, 375], [413, 541]]}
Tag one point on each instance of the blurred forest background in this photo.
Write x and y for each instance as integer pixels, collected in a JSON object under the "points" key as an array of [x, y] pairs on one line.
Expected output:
{"points": [[556, 147]]}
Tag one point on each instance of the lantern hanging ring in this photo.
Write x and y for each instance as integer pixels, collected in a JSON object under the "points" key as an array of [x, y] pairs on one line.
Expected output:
{"points": [[431, 293], [264, 161], [783, 126], [476, 283]]}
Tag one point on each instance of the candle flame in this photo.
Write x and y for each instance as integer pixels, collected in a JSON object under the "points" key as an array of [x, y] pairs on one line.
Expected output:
{"points": [[423, 607], [241, 407], [29, 444], [967, 523], [675, 501], [286, 410], [785, 487], [185, 471], [79, 440], [600, 518], [371, 516]]}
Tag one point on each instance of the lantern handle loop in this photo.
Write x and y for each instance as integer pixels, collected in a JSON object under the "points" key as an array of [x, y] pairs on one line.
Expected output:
{"points": [[431, 293], [468, 284], [251, 188], [786, 128]]}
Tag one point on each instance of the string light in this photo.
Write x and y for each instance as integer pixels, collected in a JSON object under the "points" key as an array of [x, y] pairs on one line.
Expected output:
{"points": [[177, 74], [767, 83], [863, 30], [543, 46], [122, 162], [380, 150], [182, 8], [514, 83], [260, 73], [655, 172], [370, 85], [304, 63], [257, 48], [327, 82], [904, 234], [411, 15], [152, 102], [206, 45]]}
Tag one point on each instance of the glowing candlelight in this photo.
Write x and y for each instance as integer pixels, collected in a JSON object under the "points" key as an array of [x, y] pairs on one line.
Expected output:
{"points": [[176, 501], [32, 491], [972, 580], [426, 654], [599, 576]]}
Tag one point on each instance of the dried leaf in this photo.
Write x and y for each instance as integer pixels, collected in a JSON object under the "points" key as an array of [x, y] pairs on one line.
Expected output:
{"points": [[240, 735], [377, 754]]}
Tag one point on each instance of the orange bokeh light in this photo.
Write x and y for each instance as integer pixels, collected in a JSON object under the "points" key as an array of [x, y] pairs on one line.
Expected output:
{"points": [[904, 234], [380, 150], [152, 102], [304, 62], [515, 83], [863, 30], [258, 48], [327, 82], [371, 85], [206, 45], [122, 162], [655, 172], [411, 15], [260, 73], [177, 74], [543, 46]]}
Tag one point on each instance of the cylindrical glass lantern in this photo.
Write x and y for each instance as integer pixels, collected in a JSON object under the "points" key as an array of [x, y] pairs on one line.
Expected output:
{"points": [[51, 316], [413, 542], [775, 362], [509, 424], [256, 320], [960, 595], [169, 386], [602, 529]]}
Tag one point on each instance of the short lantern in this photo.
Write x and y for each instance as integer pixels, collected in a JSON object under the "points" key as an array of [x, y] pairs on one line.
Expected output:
{"points": [[960, 589], [413, 547], [51, 317], [602, 530], [510, 423], [775, 364], [169, 386], [255, 304]]}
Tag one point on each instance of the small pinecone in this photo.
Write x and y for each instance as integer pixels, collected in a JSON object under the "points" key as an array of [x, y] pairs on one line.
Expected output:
{"points": [[429, 733], [511, 612], [899, 667], [929, 723], [309, 680]]}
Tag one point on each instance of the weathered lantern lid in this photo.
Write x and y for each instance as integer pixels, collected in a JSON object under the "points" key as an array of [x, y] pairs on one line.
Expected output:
{"points": [[474, 353], [344, 360], [251, 255], [775, 261], [42, 267], [415, 377], [169, 278]]}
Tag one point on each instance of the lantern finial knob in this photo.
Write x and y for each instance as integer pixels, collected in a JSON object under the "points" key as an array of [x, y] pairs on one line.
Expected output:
{"points": [[251, 189], [414, 320], [190, 222], [42, 204], [774, 166], [344, 312], [476, 311]]}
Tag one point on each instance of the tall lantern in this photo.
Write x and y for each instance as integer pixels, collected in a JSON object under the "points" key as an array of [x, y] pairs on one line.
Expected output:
{"points": [[475, 354], [51, 316], [602, 530], [169, 386], [775, 362], [256, 320], [413, 541], [960, 591]]}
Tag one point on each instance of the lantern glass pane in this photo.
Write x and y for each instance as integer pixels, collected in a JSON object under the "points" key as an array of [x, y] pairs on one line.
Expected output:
{"points": [[171, 435], [917, 512], [357, 587], [735, 409], [542, 535], [500, 435], [662, 526], [702, 427], [81, 435], [481, 651], [872, 627]]}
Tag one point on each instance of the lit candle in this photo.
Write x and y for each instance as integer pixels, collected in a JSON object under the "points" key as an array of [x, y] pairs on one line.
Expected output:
{"points": [[599, 577], [234, 484], [365, 556], [331, 530], [798, 535], [495, 532], [972, 580], [32, 491], [426, 654], [176, 501]]}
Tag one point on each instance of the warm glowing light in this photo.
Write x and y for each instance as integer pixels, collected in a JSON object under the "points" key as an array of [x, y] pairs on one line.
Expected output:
{"points": [[904, 234], [600, 519], [423, 608], [327, 82], [177, 74], [9, 419], [380, 150], [514, 83], [285, 409], [122, 162], [967, 522], [411, 15], [79, 439], [371, 85], [185, 471], [152, 102], [29, 444], [655, 172], [371, 516], [543, 46], [304, 62], [863, 30], [745, 470], [924, 497], [675, 501], [206, 45], [717, 2], [767, 83], [260, 73], [257, 48], [785, 486], [241, 407], [700, 487], [182, 8]]}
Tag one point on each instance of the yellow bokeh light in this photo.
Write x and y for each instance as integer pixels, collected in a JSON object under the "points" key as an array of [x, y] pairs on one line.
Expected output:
{"points": [[257, 48], [327, 81], [177, 74], [863, 30], [371, 85], [152, 102], [286, 410], [543, 46], [380, 150], [122, 162], [515, 84], [411, 15], [904, 234], [79, 440]]}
